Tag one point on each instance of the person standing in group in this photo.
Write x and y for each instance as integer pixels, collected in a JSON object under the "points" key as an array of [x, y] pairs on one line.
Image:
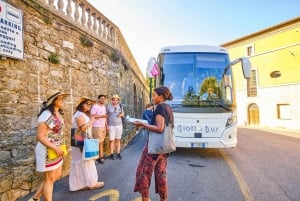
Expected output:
{"points": [[49, 136], [98, 112], [162, 116], [115, 114], [148, 113], [83, 173]]}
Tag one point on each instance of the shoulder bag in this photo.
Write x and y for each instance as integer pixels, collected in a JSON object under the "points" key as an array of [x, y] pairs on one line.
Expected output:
{"points": [[161, 143]]}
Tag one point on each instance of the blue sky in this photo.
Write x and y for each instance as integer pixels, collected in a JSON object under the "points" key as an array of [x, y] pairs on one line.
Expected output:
{"points": [[148, 25]]}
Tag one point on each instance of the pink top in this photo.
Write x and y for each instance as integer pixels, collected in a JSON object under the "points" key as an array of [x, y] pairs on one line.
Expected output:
{"points": [[99, 110]]}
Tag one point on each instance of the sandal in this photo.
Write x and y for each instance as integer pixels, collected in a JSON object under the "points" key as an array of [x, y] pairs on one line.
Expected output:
{"points": [[99, 184]]}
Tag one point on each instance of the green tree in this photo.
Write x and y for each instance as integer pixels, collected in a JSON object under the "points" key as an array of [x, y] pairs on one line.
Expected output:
{"points": [[210, 82]]}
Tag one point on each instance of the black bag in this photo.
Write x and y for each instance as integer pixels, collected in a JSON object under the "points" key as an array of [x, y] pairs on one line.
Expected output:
{"points": [[76, 141]]}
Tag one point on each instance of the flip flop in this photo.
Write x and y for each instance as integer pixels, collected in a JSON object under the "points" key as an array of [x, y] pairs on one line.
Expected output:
{"points": [[99, 184]]}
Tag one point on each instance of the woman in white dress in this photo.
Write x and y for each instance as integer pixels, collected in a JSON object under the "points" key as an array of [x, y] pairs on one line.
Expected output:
{"points": [[49, 136], [83, 173]]}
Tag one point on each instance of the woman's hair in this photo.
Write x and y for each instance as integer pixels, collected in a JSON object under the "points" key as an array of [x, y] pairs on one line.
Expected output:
{"points": [[164, 92], [80, 107], [50, 108], [149, 105]]}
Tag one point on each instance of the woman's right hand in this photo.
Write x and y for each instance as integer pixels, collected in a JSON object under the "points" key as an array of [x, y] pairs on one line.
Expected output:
{"points": [[59, 151]]}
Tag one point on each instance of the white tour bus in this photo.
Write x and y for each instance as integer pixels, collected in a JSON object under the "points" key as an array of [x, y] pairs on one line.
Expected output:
{"points": [[200, 79]]}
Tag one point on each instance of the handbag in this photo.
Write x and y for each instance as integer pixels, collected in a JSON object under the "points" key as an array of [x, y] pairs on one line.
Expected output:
{"points": [[90, 149], [77, 137], [161, 143], [52, 154]]}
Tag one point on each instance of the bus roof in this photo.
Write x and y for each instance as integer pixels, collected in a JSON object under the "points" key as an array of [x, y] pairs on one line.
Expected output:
{"points": [[192, 48]]}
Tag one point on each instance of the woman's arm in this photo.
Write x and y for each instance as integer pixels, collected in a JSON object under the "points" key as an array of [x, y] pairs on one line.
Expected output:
{"points": [[81, 123], [42, 131]]}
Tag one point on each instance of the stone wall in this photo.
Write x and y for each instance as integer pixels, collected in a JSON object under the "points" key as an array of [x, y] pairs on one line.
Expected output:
{"points": [[105, 67]]}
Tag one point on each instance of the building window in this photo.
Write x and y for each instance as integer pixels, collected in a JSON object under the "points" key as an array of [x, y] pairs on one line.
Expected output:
{"points": [[252, 85], [284, 111], [249, 50]]}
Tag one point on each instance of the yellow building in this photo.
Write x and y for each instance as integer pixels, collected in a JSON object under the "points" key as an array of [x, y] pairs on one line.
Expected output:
{"points": [[271, 98]]}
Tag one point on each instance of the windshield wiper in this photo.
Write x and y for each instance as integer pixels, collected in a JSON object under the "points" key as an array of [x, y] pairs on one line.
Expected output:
{"points": [[176, 105], [223, 106]]}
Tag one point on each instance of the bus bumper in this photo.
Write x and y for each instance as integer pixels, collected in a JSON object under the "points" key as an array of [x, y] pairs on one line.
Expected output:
{"points": [[227, 140]]}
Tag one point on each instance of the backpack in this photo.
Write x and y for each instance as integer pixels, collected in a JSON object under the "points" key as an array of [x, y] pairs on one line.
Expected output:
{"points": [[123, 118]]}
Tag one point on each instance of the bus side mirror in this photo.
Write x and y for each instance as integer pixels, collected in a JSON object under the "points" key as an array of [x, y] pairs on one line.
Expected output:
{"points": [[246, 66]]}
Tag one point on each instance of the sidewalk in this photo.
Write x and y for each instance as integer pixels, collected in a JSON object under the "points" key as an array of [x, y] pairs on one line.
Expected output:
{"points": [[280, 131]]}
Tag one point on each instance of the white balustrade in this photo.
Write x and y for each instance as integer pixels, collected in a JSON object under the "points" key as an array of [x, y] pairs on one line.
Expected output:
{"points": [[84, 14]]}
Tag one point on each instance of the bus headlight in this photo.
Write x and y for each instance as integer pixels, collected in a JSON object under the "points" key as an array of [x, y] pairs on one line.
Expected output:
{"points": [[231, 120]]}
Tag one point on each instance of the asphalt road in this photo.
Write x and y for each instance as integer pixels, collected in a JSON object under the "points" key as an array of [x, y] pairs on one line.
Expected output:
{"points": [[269, 164], [263, 167]]}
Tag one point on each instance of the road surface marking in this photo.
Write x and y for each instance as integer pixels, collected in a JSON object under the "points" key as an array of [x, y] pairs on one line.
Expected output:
{"points": [[113, 195], [243, 185]]}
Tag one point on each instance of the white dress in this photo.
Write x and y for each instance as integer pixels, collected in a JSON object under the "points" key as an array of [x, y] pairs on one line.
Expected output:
{"points": [[55, 135], [83, 173]]}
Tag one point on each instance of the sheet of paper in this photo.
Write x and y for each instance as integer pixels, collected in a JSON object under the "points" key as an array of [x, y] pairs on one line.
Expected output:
{"points": [[131, 119]]}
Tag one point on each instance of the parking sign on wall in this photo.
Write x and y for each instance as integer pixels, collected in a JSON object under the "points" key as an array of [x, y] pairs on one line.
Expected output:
{"points": [[11, 31]]}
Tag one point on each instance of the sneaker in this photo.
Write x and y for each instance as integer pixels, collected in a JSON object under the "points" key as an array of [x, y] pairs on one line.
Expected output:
{"points": [[112, 157], [100, 160], [32, 199], [119, 156]]}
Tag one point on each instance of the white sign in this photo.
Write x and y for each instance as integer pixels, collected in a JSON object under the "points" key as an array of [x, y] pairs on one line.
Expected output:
{"points": [[11, 31]]}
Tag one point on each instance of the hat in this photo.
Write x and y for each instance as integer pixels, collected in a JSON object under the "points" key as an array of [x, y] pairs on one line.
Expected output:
{"points": [[84, 98], [52, 94], [115, 96]]}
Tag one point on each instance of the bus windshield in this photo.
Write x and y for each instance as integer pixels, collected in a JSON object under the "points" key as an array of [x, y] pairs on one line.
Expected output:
{"points": [[197, 79]]}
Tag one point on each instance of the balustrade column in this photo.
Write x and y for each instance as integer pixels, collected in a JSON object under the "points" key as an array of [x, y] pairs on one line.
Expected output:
{"points": [[89, 22], [76, 13], [60, 5], [69, 9], [104, 30], [108, 33], [95, 22], [83, 17], [100, 26], [114, 41], [112, 31]]}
